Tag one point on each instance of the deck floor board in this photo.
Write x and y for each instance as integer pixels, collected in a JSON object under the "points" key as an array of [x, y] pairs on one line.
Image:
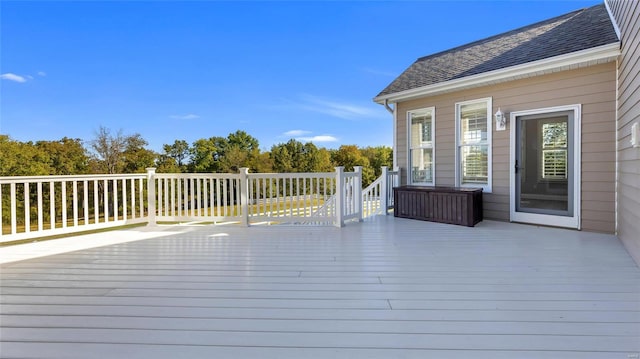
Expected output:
{"points": [[384, 288]]}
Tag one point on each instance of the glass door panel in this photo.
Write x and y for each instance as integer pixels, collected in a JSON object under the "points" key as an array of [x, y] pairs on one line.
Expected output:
{"points": [[544, 175]]}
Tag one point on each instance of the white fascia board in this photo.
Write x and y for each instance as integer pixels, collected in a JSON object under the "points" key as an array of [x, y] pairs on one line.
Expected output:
{"points": [[596, 55], [613, 19]]}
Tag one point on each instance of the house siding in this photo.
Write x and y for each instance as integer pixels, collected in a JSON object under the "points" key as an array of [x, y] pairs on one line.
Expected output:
{"points": [[627, 16], [593, 87]]}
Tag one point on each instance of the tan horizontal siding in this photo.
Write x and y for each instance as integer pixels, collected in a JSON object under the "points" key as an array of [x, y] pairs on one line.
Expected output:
{"points": [[592, 87], [627, 16]]}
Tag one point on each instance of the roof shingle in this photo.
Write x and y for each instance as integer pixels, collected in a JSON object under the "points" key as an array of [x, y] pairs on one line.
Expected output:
{"points": [[578, 30]]}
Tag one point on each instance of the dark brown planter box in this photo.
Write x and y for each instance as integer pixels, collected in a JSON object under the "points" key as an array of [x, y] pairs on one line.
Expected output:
{"points": [[454, 205]]}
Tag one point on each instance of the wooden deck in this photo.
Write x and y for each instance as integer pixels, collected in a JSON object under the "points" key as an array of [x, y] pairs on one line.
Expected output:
{"points": [[385, 288]]}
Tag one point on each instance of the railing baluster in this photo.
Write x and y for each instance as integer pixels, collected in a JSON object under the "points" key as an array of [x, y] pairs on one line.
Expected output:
{"points": [[116, 209], [277, 197], [105, 194], [40, 210], [205, 197], [296, 202], [253, 196], [132, 185], [198, 196], [63, 195], [266, 200], [218, 194], [125, 212], [27, 208], [212, 197], [14, 222], [224, 198], [192, 193], [161, 192], [172, 196], [179, 196], [185, 197], [52, 205], [96, 201], [74, 196], [290, 196], [85, 201]]}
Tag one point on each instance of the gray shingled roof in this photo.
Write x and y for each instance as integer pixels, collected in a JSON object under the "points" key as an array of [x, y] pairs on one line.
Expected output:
{"points": [[575, 31]]}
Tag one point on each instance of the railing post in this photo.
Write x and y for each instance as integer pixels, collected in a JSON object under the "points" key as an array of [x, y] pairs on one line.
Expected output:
{"points": [[357, 193], [384, 197], [395, 183], [339, 195], [244, 196], [151, 195]]}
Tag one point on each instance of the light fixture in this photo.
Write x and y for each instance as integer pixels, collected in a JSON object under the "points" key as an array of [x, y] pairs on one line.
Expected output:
{"points": [[501, 121]]}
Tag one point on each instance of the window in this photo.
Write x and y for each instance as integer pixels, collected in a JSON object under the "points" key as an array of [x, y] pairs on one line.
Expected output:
{"points": [[554, 151], [421, 145], [473, 156]]}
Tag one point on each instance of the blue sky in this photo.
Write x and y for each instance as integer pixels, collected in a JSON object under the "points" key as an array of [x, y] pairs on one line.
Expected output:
{"points": [[188, 70]]}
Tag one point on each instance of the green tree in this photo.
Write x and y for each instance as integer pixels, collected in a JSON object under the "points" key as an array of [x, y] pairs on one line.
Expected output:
{"points": [[136, 157], [261, 162], [237, 150], [66, 156], [350, 156], [294, 156], [179, 151], [166, 164], [243, 141], [323, 161], [378, 156], [205, 155], [22, 158], [108, 150], [234, 158], [285, 156]]}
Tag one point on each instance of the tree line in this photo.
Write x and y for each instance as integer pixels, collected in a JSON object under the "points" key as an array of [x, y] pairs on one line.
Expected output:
{"points": [[114, 152]]}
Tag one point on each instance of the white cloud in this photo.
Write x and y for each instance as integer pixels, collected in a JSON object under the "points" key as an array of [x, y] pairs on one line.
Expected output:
{"points": [[295, 133], [13, 77], [320, 138], [42, 73], [190, 116], [344, 110]]}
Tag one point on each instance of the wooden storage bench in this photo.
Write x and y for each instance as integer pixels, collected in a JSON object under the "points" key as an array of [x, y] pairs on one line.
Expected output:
{"points": [[454, 205]]}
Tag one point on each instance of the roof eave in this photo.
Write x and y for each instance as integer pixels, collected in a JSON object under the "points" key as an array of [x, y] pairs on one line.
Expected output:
{"points": [[573, 60]]}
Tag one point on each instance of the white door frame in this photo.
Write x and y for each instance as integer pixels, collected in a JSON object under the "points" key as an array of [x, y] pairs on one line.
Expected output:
{"points": [[546, 219]]}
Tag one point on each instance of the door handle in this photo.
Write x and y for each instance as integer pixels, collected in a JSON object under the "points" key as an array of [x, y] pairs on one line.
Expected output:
{"points": [[515, 167]]}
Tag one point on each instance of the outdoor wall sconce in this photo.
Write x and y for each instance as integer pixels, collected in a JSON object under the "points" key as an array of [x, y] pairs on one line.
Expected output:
{"points": [[501, 120], [635, 135]]}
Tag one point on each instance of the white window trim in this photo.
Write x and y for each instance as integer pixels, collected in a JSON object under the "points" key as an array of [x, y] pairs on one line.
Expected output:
{"points": [[433, 146], [559, 221], [487, 188]]}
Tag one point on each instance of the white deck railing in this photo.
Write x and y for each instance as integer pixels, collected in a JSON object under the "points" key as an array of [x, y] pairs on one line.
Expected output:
{"points": [[213, 197], [49, 205], [290, 197], [377, 198]]}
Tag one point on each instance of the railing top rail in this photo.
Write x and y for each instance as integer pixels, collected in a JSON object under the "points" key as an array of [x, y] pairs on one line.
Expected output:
{"points": [[197, 175], [373, 184], [22, 179], [293, 175]]}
